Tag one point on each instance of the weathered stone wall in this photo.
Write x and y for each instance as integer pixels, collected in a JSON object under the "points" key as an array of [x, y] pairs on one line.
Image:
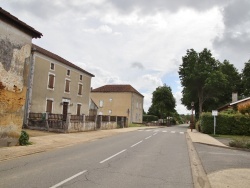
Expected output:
{"points": [[15, 49]]}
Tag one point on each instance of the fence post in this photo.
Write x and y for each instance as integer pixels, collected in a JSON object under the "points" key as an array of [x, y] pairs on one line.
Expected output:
{"points": [[68, 124], [83, 121], [47, 120]]}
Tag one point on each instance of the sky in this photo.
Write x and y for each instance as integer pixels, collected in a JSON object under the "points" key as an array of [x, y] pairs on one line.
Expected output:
{"points": [[138, 42]]}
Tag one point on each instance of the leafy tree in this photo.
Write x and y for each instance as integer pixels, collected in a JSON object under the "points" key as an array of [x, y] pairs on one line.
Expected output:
{"points": [[200, 77], [246, 78], [163, 102]]}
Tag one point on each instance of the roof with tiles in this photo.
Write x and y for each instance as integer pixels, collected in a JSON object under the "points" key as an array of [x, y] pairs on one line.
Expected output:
{"points": [[117, 88], [15, 22], [38, 49]]}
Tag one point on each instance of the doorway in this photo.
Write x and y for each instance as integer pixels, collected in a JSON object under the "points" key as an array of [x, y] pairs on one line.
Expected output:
{"points": [[65, 110]]}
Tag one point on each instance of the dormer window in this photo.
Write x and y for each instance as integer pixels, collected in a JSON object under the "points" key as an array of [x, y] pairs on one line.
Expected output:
{"points": [[68, 72]]}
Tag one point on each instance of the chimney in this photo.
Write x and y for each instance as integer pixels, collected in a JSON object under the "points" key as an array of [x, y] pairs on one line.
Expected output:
{"points": [[234, 97]]}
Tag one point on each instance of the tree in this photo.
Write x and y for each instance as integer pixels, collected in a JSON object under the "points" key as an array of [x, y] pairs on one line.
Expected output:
{"points": [[200, 77], [163, 102], [246, 78]]}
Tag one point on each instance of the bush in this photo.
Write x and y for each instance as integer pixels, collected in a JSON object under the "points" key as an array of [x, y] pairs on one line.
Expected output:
{"points": [[149, 118], [24, 139], [240, 143], [226, 124]]}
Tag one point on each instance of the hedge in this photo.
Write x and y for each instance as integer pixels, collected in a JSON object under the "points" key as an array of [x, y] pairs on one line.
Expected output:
{"points": [[149, 118], [227, 124]]}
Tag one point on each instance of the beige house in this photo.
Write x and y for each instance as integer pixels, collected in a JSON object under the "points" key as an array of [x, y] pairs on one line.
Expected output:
{"points": [[119, 100], [15, 51], [56, 85]]}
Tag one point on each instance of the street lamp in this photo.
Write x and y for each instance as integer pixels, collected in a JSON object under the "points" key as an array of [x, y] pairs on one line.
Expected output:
{"points": [[192, 117]]}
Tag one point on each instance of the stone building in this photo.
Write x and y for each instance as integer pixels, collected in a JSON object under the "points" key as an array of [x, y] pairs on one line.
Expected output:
{"points": [[15, 50], [56, 85], [119, 100]]}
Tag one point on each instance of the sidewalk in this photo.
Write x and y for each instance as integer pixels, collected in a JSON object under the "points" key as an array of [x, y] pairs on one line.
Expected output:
{"points": [[232, 177], [45, 143]]}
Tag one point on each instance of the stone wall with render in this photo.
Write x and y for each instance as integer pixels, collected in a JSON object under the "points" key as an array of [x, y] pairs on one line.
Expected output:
{"points": [[15, 50]]}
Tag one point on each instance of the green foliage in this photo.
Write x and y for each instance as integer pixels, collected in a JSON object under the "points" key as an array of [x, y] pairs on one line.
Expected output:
{"points": [[246, 78], [163, 102], [226, 124], [240, 143], [149, 118], [24, 139]]}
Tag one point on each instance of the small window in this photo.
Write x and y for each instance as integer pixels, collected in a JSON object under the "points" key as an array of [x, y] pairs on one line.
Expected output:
{"points": [[49, 106], [52, 66], [51, 81], [67, 86], [78, 112], [68, 72], [80, 77], [101, 103], [79, 89]]}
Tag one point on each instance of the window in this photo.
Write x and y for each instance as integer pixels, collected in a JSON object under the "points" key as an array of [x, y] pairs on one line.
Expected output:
{"points": [[68, 72], [51, 81], [110, 111], [79, 89], [80, 77], [78, 110], [49, 105], [110, 100], [101, 103], [52, 66], [67, 86]]}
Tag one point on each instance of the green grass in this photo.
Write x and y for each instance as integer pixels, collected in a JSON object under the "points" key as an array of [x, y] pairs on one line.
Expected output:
{"points": [[236, 140], [136, 125]]}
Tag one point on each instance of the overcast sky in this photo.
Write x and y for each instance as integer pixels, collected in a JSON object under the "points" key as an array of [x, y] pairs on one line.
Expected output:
{"points": [[138, 42]]}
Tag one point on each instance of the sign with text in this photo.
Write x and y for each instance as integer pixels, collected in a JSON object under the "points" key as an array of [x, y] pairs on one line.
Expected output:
{"points": [[215, 113]]}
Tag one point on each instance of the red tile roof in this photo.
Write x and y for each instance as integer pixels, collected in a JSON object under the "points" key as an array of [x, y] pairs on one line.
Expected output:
{"points": [[15, 22], [36, 48], [117, 88]]}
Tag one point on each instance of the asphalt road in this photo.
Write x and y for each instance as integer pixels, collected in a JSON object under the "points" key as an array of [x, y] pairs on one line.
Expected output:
{"points": [[145, 158]]}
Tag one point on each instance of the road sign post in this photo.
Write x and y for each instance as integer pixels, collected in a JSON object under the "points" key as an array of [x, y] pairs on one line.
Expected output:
{"points": [[214, 113]]}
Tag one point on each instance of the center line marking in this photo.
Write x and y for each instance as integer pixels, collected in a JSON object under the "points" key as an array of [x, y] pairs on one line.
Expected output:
{"points": [[113, 156], [136, 144], [68, 179], [148, 137]]}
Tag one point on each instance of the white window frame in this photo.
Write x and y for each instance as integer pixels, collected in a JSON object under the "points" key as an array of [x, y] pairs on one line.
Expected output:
{"points": [[67, 72], [79, 83], [65, 85], [54, 83], [50, 99], [80, 108], [54, 66]]}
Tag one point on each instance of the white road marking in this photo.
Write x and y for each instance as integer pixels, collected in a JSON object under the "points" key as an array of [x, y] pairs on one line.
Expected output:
{"points": [[164, 131], [113, 156], [172, 131], [181, 132], [154, 134], [136, 143], [148, 137], [148, 130], [68, 179]]}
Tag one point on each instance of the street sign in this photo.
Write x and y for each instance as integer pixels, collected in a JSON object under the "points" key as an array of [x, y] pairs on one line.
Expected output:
{"points": [[214, 113]]}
